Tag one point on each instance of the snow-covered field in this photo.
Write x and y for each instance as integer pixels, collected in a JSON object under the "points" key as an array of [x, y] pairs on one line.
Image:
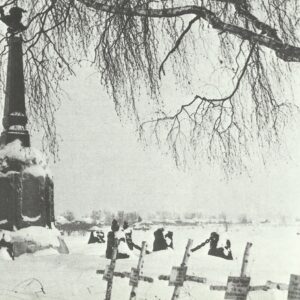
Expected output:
{"points": [[274, 256]]}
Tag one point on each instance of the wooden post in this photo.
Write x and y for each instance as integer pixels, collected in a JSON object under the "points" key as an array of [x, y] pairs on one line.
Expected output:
{"points": [[186, 257], [246, 259], [135, 272], [109, 275]]}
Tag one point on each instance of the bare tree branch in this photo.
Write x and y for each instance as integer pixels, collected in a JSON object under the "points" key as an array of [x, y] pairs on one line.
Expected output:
{"points": [[248, 43], [284, 51]]}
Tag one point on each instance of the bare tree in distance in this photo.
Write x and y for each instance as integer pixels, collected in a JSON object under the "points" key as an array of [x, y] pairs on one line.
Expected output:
{"points": [[69, 216], [137, 45]]}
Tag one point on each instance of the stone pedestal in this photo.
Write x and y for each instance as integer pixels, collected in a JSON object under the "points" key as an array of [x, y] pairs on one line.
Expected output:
{"points": [[26, 188], [25, 200]]}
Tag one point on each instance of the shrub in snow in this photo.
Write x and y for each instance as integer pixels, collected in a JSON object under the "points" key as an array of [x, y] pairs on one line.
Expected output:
{"points": [[35, 238], [74, 226]]}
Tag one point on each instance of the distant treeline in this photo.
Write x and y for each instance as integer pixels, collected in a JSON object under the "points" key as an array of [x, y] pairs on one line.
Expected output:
{"points": [[68, 222]]}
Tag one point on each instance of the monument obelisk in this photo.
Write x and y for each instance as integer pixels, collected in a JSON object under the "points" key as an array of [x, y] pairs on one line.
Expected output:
{"points": [[26, 188]]}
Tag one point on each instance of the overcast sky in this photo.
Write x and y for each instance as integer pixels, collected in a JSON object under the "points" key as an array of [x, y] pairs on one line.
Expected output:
{"points": [[103, 166]]}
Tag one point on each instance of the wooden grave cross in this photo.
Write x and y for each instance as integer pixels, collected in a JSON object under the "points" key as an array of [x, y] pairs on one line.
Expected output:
{"points": [[134, 276], [179, 274], [109, 272], [237, 288]]}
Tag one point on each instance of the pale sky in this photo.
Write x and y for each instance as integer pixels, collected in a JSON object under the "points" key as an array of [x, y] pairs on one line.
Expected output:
{"points": [[103, 166]]}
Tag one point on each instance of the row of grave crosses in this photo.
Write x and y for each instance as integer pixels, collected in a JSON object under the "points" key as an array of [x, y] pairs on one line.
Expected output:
{"points": [[237, 288], [134, 276]]}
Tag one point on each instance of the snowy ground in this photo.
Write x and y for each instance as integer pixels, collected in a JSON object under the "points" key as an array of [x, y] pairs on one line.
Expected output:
{"points": [[274, 256]]}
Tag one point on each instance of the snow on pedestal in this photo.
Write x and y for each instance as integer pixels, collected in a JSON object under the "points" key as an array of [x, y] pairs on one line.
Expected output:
{"points": [[26, 188]]}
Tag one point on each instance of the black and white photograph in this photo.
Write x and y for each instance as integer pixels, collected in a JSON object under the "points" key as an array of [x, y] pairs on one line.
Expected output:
{"points": [[149, 149]]}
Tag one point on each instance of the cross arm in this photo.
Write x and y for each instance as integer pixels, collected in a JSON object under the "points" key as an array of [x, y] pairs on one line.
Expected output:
{"points": [[127, 275], [251, 288], [187, 278]]}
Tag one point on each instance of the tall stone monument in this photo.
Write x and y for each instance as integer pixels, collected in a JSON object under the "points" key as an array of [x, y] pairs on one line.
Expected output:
{"points": [[26, 187]]}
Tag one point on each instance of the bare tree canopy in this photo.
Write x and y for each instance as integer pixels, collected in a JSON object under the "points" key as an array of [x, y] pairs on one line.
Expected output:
{"points": [[135, 44]]}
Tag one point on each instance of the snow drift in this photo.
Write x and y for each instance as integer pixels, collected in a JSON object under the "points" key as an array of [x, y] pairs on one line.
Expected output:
{"points": [[34, 239]]}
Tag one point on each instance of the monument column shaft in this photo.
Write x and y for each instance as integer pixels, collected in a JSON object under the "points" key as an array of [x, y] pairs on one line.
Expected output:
{"points": [[15, 100], [15, 119]]}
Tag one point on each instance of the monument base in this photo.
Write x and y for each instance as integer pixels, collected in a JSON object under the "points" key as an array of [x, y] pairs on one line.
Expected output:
{"points": [[8, 136], [26, 188]]}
